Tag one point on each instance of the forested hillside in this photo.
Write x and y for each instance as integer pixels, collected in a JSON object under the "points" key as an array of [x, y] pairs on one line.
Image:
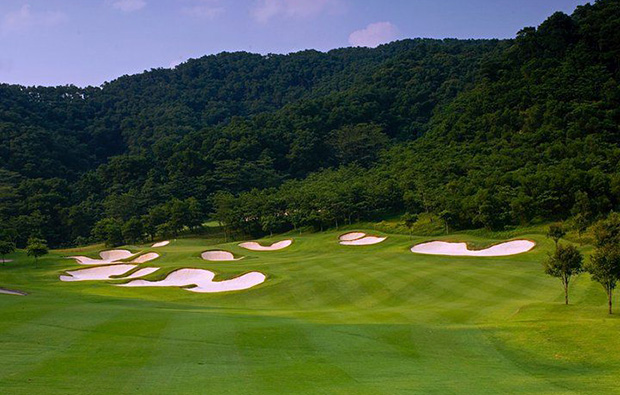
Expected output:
{"points": [[487, 133]]}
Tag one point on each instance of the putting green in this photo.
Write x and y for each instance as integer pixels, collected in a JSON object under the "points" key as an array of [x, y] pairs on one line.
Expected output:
{"points": [[328, 319]]}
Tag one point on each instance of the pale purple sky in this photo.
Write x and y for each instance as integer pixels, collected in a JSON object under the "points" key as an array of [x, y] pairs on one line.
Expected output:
{"points": [[87, 42]]}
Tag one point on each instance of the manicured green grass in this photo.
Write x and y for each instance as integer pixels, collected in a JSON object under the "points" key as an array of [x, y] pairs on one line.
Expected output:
{"points": [[329, 319]]}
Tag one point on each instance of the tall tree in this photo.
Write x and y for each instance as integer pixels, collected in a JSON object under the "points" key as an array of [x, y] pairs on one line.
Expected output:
{"points": [[605, 269], [564, 263]]}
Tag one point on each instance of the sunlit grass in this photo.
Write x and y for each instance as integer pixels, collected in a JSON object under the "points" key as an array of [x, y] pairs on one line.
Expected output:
{"points": [[329, 319]]}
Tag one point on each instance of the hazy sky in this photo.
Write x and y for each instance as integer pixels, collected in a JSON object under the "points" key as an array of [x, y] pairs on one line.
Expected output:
{"points": [[87, 42]]}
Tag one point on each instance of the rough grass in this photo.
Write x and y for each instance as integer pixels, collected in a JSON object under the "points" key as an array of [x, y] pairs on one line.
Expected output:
{"points": [[329, 319]]}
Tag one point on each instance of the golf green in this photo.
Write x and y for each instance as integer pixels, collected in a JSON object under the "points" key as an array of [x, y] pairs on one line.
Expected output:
{"points": [[329, 318]]}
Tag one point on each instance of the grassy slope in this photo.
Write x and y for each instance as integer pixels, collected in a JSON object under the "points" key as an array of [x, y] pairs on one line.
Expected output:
{"points": [[329, 319]]}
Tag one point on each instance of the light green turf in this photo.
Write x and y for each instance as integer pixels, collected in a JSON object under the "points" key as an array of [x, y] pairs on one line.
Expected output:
{"points": [[329, 319]]}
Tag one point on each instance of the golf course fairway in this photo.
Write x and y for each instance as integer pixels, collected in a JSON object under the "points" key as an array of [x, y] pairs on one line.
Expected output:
{"points": [[328, 318]]}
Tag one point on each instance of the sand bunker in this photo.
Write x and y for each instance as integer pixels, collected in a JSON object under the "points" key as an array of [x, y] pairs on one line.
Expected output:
{"points": [[364, 241], [107, 273], [219, 256], [359, 239], [352, 236], [5, 260], [11, 292], [254, 246], [202, 281], [97, 273], [107, 257], [146, 257], [140, 273], [115, 255], [460, 249], [161, 244]]}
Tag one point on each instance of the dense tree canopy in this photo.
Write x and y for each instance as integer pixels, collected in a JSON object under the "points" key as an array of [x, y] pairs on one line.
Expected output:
{"points": [[488, 133]]}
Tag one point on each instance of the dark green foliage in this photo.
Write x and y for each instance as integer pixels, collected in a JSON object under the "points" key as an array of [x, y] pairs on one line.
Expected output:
{"points": [[359, 144], [556, 232], [605, 269], [607, 231], [36, 248], [167, 219], [110, 231], [6, 247], [481, 133], [180, 214], [325, 199], [564, 263], [582, 212], [133, 230], [448, 217], [605, 263], [409, 220]]}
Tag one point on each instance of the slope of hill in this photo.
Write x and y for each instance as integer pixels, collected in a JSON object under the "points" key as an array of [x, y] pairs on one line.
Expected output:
{"points": [[480, 133], [229, 122], [535, 137]]}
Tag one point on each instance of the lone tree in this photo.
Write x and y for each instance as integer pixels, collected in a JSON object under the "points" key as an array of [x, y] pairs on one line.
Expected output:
{"points": [[564, 263], [605, 269], [556, 232], [36, 247], [6, 247]]}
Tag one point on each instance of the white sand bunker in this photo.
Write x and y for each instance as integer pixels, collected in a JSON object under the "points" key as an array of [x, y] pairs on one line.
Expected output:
{"points": [[115, 255], [359, 239], [107, 257], [364, 241], [139, 273], [219, 256], [352, 236], [97, 273], [460, 249], [254, 246], [146, 257], [5, 260], [202, 281], [106, 273], [161, 244], [11, 292]]}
